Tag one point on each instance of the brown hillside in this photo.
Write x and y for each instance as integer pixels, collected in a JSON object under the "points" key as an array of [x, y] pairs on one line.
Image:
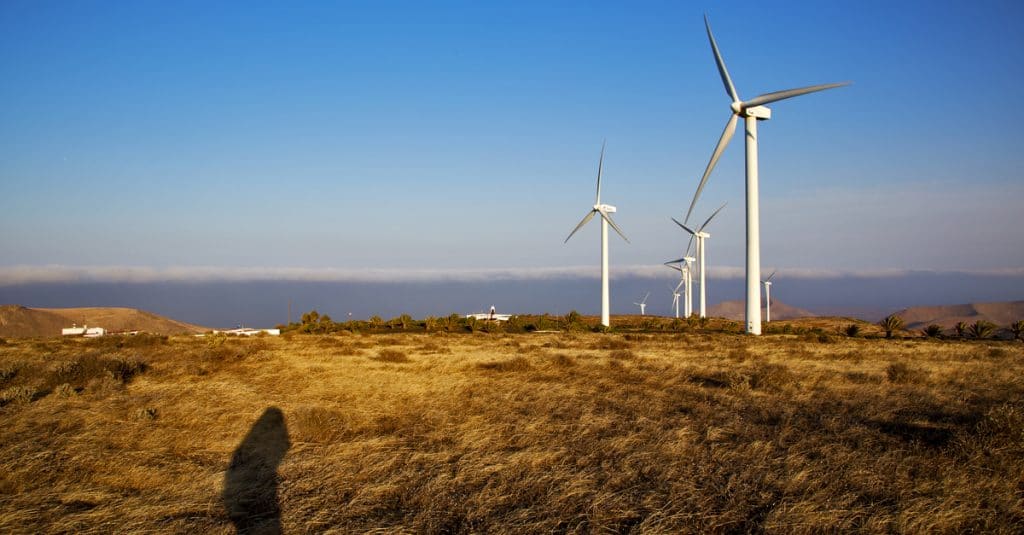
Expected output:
{"points": [[18, 321], [736, 311], [947, 316]]}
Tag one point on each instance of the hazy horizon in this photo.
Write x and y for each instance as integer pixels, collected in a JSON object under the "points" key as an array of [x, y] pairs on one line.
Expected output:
{"points": [[227, 303]]}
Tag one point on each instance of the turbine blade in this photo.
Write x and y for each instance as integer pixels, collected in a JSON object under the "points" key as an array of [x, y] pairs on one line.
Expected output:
{"points": [[600, 165], [686, 228], [768, 98], [712, 216], [644, 300], [614, 226], [770, 276], [680, 285], [726, 80], [676, 261], [730, 129], [586, 218]]}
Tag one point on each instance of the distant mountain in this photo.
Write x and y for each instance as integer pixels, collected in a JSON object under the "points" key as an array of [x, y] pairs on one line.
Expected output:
{"points": [[1002, 314], [18, 321], [736, 310]]}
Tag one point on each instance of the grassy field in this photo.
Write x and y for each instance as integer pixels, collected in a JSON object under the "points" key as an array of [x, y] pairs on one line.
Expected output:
{"points": [[518, 433]]}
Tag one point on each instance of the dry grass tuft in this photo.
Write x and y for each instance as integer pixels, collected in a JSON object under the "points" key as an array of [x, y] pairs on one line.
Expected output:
{"points": [[516, 364], [622, 354], [391, 355]]}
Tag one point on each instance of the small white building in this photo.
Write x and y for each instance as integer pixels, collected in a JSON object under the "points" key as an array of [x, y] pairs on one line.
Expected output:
{"points": [[84, 331], [490, 316], [248, 331]]}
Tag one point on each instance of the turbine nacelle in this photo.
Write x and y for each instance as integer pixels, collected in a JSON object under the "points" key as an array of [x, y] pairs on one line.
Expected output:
{"points": [[761, 113], [606, 208]]}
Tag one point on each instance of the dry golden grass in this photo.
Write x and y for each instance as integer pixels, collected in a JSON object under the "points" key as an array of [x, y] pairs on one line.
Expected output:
{"points": [[572, 432]]}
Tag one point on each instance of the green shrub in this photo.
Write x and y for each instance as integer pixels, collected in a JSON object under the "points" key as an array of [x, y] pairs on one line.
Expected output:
{"points": [[932, 331], [960, 328], [1017, 328], [852, 330], [981, 329], [890, 324]]}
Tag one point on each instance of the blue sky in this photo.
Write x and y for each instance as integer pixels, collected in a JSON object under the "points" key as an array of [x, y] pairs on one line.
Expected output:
{"points": [[412, 136]]}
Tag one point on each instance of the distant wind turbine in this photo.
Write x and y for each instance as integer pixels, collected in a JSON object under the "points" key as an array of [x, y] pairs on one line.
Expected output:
{"points": [[675, 293], [684, 266], [700, 236], [604, 210], [643, 303], [768, 297], [752, 111]]}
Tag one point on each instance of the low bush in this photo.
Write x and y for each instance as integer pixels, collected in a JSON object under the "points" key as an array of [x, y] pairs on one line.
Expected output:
{"points": [[391, 355], [932, 331], [901, 372]]}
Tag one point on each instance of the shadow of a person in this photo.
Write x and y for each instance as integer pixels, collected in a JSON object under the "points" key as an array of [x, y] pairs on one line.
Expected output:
{"points": [[250, 485]]}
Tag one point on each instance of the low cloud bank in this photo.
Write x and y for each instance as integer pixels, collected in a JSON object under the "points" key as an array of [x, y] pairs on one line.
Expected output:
{"points": [[54, 274]]}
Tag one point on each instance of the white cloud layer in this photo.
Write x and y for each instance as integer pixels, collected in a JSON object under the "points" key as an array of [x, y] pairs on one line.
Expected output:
{"points": [[50, 274]]}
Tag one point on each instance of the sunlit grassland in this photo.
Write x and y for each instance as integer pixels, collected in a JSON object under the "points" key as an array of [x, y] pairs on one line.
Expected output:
{"points": [[563, 432]]}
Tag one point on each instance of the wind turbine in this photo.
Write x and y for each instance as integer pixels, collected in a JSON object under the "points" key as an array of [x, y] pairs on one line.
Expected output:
{"points": [[643, 303], [700, 236], [768, 297], [606, 220], [752, 110], [685, 269], [675, 292]]}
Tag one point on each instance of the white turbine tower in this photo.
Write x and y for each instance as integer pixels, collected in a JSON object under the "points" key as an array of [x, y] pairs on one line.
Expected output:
{"points": [[752, 110], [688, 274], [700, 237], [685, 269], [768, 297], [643, 303], [675, 292], [606, 219]]}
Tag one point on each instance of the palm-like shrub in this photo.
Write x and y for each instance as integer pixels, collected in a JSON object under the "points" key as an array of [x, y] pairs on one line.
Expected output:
{"points": [[1018, 330], [891, 323], [932, 331], [852, 330], [960, 328], [981, 329]]}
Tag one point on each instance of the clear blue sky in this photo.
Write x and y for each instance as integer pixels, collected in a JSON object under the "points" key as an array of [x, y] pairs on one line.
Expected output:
{"points": [[432, 135]]}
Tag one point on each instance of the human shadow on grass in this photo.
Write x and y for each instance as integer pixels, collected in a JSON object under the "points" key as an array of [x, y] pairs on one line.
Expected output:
{"points": [[250, 485]]}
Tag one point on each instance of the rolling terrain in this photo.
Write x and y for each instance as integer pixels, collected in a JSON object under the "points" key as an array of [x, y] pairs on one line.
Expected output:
{"points": [[736, 310], [17, 321], [1002, 314]]}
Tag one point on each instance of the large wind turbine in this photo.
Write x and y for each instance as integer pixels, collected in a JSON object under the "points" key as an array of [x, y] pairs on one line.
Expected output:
{"points": [[752, 110], [606, 219], [699, 236], [768, 297]]}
